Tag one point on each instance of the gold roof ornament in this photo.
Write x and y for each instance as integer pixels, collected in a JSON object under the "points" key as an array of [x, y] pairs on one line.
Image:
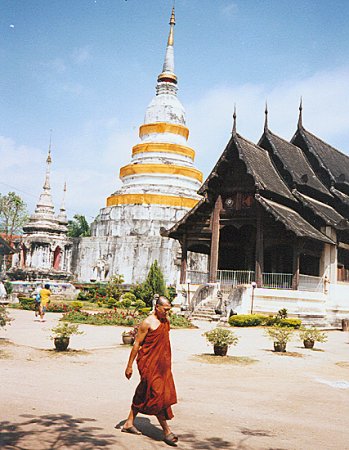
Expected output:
{"points": [[167, 73]]}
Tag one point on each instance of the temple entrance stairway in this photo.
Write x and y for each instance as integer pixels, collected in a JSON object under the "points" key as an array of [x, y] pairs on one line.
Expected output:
{"points": [[206, 311]]}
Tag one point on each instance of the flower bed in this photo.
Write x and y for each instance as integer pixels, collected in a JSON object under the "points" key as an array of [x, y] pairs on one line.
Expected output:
{"points": [[115, 317]]}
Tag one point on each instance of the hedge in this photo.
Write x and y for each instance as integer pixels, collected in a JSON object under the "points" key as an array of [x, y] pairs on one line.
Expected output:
{"points": [[255, 320]]}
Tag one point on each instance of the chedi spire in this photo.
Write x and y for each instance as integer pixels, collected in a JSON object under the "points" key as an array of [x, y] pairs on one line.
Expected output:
{"points": [[167, 74], [45, 204]]}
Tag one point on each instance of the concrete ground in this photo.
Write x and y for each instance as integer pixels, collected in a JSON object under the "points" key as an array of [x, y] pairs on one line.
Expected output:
{"points": [[254, 399]]}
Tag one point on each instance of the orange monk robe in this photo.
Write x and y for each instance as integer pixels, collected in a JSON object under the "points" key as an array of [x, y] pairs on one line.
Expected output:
{"points": [[156, 391]]}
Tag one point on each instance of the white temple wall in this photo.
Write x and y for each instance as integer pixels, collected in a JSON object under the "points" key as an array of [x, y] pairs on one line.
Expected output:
{"points": [[130, 256], [126, 220]]}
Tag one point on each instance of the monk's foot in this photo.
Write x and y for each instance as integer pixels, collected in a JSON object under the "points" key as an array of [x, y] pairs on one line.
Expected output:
{"points": [[171, 439], [132, 429]]}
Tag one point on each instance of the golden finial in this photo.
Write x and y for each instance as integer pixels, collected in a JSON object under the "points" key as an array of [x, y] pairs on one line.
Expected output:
{"points": [[170, 40], [172, 20]]}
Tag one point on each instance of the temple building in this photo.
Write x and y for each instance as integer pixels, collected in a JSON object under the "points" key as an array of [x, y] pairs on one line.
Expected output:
{"points": [[158, 187], [45, 251], [273, 222]]}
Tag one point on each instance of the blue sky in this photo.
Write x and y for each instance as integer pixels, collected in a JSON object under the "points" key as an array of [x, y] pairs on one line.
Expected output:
{"points": [[87, 70]]}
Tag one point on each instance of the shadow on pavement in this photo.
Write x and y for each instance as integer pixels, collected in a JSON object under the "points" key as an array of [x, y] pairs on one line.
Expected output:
{"points": [[54, 431], [190, 441]]}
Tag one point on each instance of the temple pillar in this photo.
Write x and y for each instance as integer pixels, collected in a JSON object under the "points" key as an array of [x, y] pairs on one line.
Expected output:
{"points": [[259, 248], [328, 261], [295, 271], [215, 219], [184, 260]]}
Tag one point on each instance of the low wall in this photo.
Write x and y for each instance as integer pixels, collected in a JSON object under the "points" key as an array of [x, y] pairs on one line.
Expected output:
{"points": [[330, 307], [66, 290]]}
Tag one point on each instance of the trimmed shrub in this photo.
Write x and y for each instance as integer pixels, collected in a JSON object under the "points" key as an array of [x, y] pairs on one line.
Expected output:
{"points": [[255, 320], [76, 305], [290, 323], [139, 304], [126, 303], [129, 296], [4, 317], [246, 320], [177, 321], [27, 303]]}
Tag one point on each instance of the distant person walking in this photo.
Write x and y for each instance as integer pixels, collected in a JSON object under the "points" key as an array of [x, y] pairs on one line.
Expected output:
{"points": [[37, 300], [44, 300], [156, 391]]}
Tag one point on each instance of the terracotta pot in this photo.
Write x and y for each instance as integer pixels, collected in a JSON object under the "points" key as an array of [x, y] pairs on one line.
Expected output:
{"points": [[279, 346], [308, 343], [61, 343], [220, 350], [127, 339]]}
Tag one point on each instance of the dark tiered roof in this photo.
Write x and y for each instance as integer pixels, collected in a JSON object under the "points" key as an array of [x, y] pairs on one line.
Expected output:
{"points": [[328, 214], [329, 158], [293, 161], [292, 220], [287, 184], [258, 165]]}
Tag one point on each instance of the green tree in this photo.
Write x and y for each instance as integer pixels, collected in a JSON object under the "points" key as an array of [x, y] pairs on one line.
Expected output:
{"points": [[154, 284], [78, 227], [155, 279], [13, 214], [113, 288]]}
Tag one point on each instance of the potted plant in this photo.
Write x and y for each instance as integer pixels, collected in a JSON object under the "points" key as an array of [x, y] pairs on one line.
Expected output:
{"points": [[61, 335], [128, 337], [311, 335], [280, 336], [221, 338]]}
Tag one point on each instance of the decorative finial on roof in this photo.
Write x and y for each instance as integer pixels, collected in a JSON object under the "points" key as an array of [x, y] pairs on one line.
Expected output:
{"points": [[266, 117], [300, 117], [45, 205], [49, 160], [234, 119], [48, 163], [170, 40], [62, 216], [167, 73]]}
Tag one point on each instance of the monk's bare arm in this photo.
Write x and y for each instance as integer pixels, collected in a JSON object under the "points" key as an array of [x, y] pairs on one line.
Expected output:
{"points": [[141, 334]]}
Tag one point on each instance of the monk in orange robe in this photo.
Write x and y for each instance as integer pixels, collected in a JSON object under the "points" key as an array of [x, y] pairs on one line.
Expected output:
{"points": [[156, 391]]}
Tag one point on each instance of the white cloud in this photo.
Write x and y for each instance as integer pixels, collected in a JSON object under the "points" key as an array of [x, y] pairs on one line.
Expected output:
{"points": [[90, 160], [325, 113], [22, 170], [229, 10], [56, 65], [73, 88], [81, 55]]}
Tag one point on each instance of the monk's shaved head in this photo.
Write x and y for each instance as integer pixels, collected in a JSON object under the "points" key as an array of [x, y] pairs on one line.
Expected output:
{"points": [[162, 301]]}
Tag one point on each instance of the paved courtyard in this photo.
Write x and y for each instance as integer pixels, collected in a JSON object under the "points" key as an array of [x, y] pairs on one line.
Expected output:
{"points": [[256, 399]]}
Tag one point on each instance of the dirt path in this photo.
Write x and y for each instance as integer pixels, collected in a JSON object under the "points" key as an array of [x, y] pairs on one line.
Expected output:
{"points": [[256, 399]]}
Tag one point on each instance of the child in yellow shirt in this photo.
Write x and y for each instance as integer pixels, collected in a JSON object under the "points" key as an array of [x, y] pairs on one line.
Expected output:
{"points": [[44, 300]]}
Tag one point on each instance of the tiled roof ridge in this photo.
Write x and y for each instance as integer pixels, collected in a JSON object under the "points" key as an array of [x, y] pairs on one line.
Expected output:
{"points": [[323, 142]]}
